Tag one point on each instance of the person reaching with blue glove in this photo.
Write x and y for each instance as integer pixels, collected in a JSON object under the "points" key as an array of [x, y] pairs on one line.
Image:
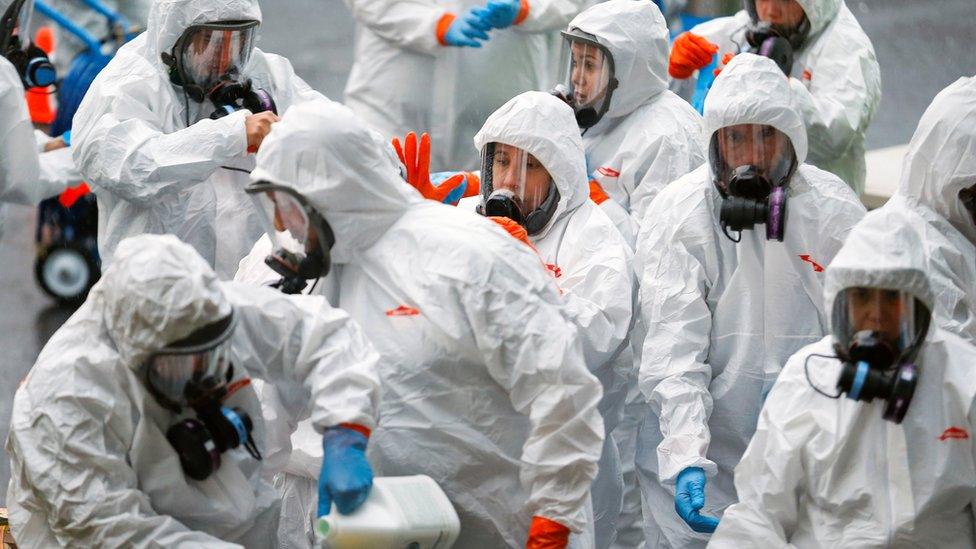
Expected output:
{"points": [[467, 30], [480, 53], [501, 14], [481, 363], [161, 431], [726, 308], [689, 499], [346, 476]]}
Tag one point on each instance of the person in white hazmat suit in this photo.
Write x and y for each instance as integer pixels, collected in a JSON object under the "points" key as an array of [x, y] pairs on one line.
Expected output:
{"points": [[32, 165], [144, 136], [137, 426], [484, 383], [834, 73], [723, 316], [935, 200], [533, 172], [410, 74], [889, 461], [639, 136]]}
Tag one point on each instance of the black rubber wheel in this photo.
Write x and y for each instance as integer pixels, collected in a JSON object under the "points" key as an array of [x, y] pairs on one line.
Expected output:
{"points": [[66, 272]]}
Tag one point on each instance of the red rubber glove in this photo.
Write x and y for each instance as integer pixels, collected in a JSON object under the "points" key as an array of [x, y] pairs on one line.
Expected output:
{"points": [[689, 53], [547, 534], [418, 168], [597, 194]]}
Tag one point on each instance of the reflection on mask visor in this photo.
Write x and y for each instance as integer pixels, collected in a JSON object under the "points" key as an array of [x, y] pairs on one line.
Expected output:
{"points": [[170, 374], [760, 151], [16, 32], [211, 53], [519, 174], [586, 81], [889, 314], [588, 75]]}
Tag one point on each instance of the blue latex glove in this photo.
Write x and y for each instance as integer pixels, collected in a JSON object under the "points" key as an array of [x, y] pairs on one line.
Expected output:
{"points": [[689, 498], [454, 196], [500, 14], [66, 137], [467, 29], [346, 476]]}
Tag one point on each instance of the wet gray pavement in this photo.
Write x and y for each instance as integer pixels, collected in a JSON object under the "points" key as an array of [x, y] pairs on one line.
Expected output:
{"points": [[922, 47]]}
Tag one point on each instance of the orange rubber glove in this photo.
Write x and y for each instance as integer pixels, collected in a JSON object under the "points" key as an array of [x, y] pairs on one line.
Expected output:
{"points": [[597, 194], [547, 534], [417, 162], [517, 231], [689, 53], [725, 61], [474, 185]]}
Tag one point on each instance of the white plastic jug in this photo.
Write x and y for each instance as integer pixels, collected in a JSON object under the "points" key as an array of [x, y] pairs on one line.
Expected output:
{"points": [[400, 513]]}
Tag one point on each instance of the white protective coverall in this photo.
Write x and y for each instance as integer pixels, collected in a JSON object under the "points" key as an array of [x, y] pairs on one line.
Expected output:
{"points": [[939, 164], [592, 265], [836, 82], [90, 462], [834, 473], [649, 136], [152, 173], [722, 318], [404, 80], [27, 174], [484, 383]]}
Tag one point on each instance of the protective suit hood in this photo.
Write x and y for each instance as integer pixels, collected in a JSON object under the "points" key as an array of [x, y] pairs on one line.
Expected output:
{"points": [[546, 128], [157, 291], [636, 35], [168, 19], [941, 159], [753, 90], [893, 259], [322, 151], [819, 12]]}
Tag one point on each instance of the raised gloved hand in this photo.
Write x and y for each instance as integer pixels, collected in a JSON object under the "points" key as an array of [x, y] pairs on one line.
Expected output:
{"points": [[689, 498], [597, 194], [257, 127], [689, 53], [547, 534], [500, 14], [346, 476], [463, 31], [470, 186], [417, 162]]}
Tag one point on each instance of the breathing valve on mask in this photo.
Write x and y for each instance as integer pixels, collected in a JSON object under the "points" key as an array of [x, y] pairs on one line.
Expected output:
{"points": [[586, 116], [764, 40], [216, 429], [753, 200], [867, 374], [230, 96], [295, 269], [503, 203]]}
